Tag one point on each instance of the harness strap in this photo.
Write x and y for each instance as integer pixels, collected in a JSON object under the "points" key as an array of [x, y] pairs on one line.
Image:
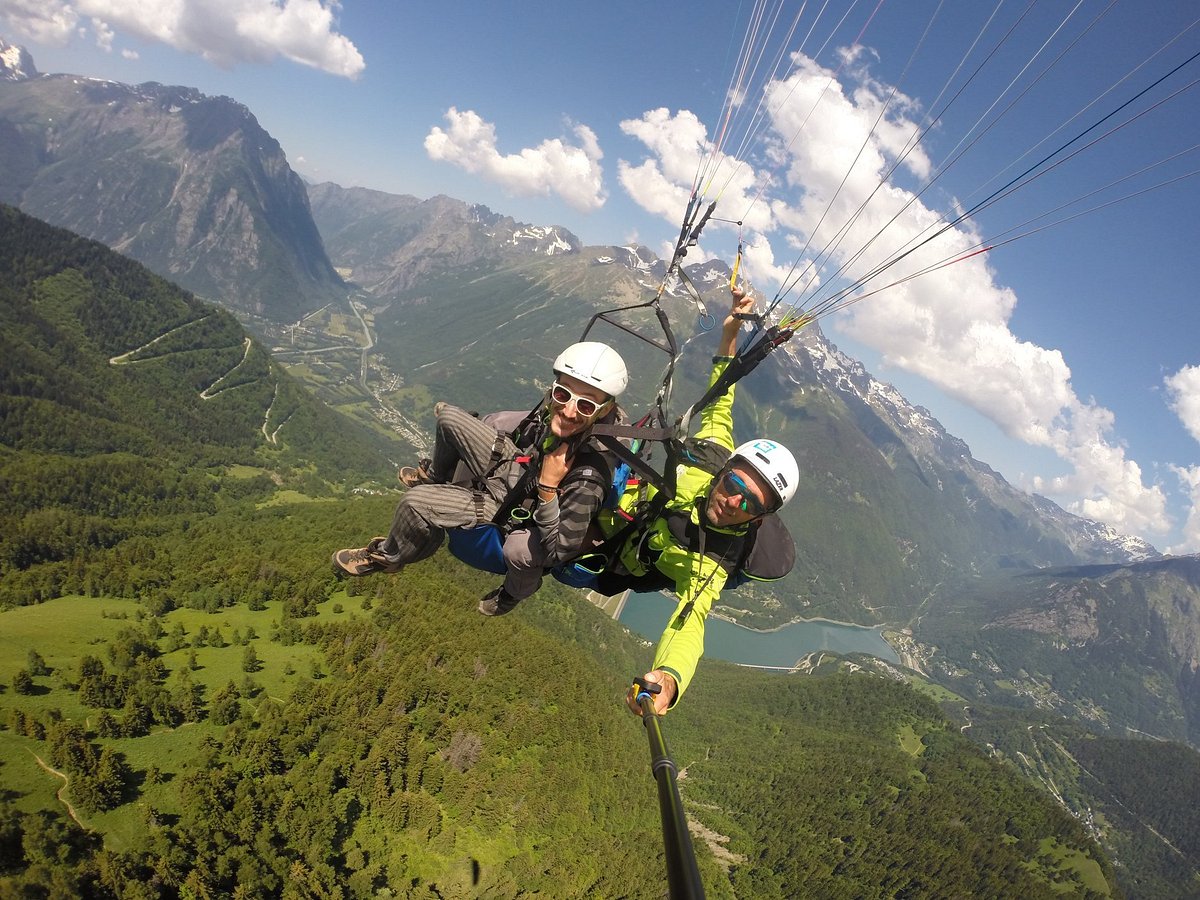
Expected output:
{"points": [[611, 546], [637, 432], [477, 498], [495, 459], [635, 461], [742, 365], [707, 321], [664, 484], [702, 505], [523, 491], [690, 605], [525, 437], [520, 492]]}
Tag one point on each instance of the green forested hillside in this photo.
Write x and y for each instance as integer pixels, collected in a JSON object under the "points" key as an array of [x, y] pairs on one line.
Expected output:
{"points": [[831, 782], [1136, 795], [99, 355], [414, 751], [390, 736], [124, 400]]}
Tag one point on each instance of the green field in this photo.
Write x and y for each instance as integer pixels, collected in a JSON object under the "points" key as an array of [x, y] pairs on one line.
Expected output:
{"points": [[62, 631], [938, 693], [1068, 859]]}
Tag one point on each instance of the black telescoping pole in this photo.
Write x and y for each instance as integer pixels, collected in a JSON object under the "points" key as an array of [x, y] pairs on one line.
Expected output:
{"points": [[683, 877]]}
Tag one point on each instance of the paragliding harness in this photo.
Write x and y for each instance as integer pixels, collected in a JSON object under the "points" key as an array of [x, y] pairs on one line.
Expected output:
{"points": [[763, 552], [623, 462]]}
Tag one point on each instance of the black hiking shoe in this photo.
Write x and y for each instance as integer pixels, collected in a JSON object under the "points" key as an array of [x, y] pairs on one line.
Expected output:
{"points": [[497, 603], [364, 561], [411, 476]]}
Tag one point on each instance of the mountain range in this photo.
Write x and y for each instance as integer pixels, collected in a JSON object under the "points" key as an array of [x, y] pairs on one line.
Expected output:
{"points": [[189, 185]]}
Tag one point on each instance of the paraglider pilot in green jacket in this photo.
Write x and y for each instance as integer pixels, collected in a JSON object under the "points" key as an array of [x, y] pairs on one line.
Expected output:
{"points": [[759, 478]]}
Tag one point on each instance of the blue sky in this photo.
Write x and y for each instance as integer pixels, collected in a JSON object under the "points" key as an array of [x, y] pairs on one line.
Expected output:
{"points": [[1068, 359]]}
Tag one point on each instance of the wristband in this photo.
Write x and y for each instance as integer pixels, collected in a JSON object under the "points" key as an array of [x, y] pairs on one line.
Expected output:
{"points": [[547, 487]]}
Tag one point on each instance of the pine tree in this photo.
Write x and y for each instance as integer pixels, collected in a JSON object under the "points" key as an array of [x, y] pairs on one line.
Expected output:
{"points": [[35, 664], [250, 661]]}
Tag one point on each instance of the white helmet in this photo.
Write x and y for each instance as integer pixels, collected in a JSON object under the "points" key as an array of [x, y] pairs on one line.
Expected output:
{"points": [[774, 462], [596, 364]]}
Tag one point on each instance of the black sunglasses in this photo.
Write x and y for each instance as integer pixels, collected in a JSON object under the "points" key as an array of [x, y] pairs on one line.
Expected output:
{"points": [[733, 483]]}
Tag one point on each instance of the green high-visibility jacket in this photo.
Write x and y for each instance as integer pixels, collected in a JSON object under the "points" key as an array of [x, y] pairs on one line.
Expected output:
{"points": [[698, 578]]}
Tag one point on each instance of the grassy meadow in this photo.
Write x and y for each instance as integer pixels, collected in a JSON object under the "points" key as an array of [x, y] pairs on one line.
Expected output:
{"points": [[64, 630]]}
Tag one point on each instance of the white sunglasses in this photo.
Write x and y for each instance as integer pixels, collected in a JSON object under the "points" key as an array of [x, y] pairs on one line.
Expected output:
{"points": [[562, 395]]}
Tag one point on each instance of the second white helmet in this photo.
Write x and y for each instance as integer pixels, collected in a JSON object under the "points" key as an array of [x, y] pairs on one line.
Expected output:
{"points": [[594, 363], [774, 462]]}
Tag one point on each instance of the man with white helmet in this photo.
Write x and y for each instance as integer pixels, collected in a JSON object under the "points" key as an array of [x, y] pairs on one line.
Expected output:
{"points": [[547, 471], [702, 533]]}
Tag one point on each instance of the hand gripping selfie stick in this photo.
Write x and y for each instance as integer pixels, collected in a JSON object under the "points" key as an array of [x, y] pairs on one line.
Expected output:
{"points": [[683, 878]]}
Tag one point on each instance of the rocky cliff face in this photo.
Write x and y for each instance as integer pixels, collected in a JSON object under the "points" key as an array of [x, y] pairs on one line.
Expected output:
{"points": [[187, 184], [390, 243], [900, 428], [15, 63]]}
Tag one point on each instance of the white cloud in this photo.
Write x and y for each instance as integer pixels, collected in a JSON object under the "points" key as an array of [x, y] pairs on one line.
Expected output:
{"points": [[1183, 396], [663, 183], [104, 35], [224, 32], [1106, 486], [1190, 479], [950, 325], [553, 167], [1183, 392], [48, 22]]}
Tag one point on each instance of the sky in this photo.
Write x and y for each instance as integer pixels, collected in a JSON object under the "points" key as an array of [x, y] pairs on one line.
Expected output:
{"points": [[838, 137]]}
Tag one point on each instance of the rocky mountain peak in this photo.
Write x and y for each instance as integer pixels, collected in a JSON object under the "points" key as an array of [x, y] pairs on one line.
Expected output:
{"points": [[940, 456], [15, 63], [540, 240], [190, 185]]}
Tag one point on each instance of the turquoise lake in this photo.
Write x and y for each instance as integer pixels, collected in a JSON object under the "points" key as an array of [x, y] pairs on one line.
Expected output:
{"points": [[647, 615]]}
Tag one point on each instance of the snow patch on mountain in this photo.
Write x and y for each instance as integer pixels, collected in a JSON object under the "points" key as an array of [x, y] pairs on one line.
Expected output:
{"points": [[1088, 532], [545, 240], [712, 272], [928, 441], [633, 257], [15, 63]]}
